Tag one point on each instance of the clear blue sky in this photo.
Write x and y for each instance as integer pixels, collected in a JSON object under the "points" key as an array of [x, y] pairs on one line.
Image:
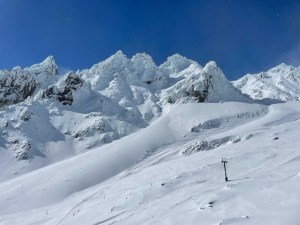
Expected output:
{"points": [[240, 35]]}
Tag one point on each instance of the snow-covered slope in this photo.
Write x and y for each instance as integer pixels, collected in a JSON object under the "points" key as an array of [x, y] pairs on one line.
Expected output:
{"points": [[114, 144], [58, 116], [281, 82], [171, 173]]}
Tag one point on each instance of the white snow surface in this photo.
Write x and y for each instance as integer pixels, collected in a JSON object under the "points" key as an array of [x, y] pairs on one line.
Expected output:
{"points": [[146, 178], [281, 82], [130, 142]]}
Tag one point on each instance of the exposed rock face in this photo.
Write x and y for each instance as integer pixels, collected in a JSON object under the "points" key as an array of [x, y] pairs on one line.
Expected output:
{"points": [[206, 84], [69, 83], [15, 86], [176, 64], [18, 84]]}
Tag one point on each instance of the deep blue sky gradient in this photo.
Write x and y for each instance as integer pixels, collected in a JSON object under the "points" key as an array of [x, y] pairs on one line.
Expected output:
{"points": [[240, 35]]}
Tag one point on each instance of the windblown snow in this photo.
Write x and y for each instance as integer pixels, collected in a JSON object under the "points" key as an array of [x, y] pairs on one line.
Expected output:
{"points": [[130, 142]]}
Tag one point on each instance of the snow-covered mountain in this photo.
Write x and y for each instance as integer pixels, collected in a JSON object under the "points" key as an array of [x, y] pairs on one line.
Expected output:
{"points": [[171, 173], [92, 107], [64, 157], [281, 82], [206, 84], [18, 84]]}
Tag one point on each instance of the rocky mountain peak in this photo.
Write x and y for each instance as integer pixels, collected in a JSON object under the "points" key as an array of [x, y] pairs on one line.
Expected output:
{"points": [[47, 67], [18, 84], [118, 56]]}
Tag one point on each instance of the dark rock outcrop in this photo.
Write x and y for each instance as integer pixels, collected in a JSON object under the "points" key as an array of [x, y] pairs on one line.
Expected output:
{"points": [[64, 93], [18, 84]]}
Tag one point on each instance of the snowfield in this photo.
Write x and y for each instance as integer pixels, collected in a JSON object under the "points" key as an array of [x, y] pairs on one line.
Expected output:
{"points": [[169, 172]]}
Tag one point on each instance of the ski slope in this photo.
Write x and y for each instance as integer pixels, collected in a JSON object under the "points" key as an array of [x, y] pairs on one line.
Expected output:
{"points": [[171, 173]]}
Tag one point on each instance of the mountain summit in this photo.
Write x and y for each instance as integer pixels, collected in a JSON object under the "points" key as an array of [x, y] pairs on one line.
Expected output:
{"points": [[18, 84]]}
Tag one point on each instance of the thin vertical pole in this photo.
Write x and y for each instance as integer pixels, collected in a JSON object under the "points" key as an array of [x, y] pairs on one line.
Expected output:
{"points": [[224, 162]]}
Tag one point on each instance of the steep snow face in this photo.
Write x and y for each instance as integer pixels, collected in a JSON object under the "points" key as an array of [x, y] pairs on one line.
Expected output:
{"points": [[139, 100], [18, 84], [144, 68], [222, 89], [48, 67], [281, 82], [206, 84], [140, 70], [131, 83], [175, 64], [101, 74]]}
